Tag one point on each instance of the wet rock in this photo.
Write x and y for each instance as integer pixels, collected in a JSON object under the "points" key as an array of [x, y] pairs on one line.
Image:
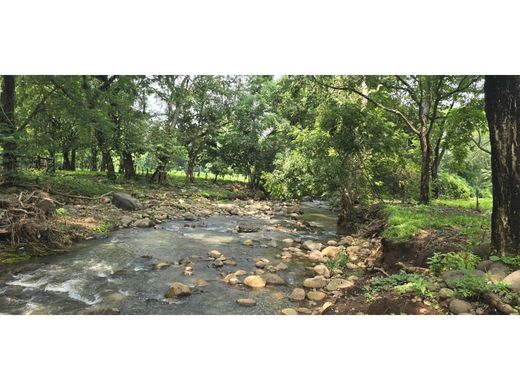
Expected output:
{"points": [[330, 251], [229, 262], [281, 266], [312, 245], [143, 223], [114, 297], [259, 272], [126, 221], [177, 290], [218, 263], [261, 263], [315, 255], [289, 311], [322, 270], [248, 242], [497, 271], [254, 281], [298, 294], [445, 293], [231, 279], [246, 302], [125, 201], [200, 283], [339, 284], [332, 243], [287, 242], [316, 282], [240, 272], [245, 228], [214, 254], [347, 240], [325, 306], [273, 279], [189, 217], [458, 306], [316, 296], [161, 265], [273, 243], [513, 280]]}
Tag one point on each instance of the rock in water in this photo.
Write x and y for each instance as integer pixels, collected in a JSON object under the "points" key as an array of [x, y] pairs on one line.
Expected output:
{"points": [[244, 228], [289, 311], [330, 251], [311, 245], [177, 290], [458, 306], [316, 282], [298, 294], [316, 295], [125, 201], [513, 280], [254, 281], [214, 254], [248, 242], [322, 270], [143, 223], [246, 302], [273, 279]]}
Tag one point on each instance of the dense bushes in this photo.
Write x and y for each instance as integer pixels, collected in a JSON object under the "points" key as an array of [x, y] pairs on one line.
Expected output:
{"points": [[451, 186]]}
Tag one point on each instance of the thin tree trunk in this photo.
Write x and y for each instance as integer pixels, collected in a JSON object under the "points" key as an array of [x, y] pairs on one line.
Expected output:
{"points": [[66, 166], [425, 168], [111, 173], [503, 114], [128, 164], [189, 170], [73, 159], [8, 129]]}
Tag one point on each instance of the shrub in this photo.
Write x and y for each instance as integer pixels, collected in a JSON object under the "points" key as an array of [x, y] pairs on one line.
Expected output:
{"points": [[452, 186], [339, 261], [441, 262]]}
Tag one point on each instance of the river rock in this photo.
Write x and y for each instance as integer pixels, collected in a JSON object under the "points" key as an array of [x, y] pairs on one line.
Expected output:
{"points": [[114, 297], [200, 283], [218, 263], [161, 265], [458, 306], [298, 294], [316, 295], [281, 266], [246, 302], [125, 201], [273, 279], [229, 262], [143, 223], [322, 270], [330, 251], [315, 255], [316, 282], [189, 217], [339, 284], [311, 245], [248, 242], [245, 228], [289, 311], [240, 272], [261, 263], [126, 220], [288, 242], [254, 281], [214, 254], [513, 280], [445, 293], [497, 271], [347, 240], [177, 290]]}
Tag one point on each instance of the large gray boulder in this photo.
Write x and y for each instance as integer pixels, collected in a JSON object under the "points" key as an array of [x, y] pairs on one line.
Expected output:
{"points": [[125, 201], [513, 280]]}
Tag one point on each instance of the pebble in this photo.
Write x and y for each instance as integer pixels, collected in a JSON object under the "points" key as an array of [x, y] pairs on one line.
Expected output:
{"points": [[215, 254], [273, 279], [322, 269], [298, 294], [339, 284], [177, 290], [246, 302], [316, 282], [254, 281], [289, 311], [316, 295], [248, 242]]}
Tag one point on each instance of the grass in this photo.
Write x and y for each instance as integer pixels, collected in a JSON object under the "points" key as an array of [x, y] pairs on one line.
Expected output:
{"points": [[405, 221]]}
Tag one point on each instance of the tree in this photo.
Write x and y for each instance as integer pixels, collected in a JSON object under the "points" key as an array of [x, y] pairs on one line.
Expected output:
{"points": [[502, 94], [8, 129]]}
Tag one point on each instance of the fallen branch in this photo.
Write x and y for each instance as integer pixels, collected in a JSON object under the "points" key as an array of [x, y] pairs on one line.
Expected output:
{"points": [[495, 301], [381, 270], [413, 269]]}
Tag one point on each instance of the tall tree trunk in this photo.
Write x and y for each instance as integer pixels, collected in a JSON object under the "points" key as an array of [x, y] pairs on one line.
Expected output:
{"points": [[503, 114], [73, 159], [160, 174], [438, 153], [109, 165], [8, 129], [189, 169], [348, 218], [66, 166], [128, 164], [93, 156], [425, 168]]}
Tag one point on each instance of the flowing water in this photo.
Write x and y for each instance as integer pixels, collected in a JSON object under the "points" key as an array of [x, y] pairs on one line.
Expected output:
{"points": [[116, 273]]}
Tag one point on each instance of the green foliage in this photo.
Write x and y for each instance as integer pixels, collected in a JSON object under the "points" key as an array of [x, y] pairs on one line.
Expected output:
{"points": [[440, 262], [401, 282], [472, 286], [339, 261], [513, 262], [452, 186]]}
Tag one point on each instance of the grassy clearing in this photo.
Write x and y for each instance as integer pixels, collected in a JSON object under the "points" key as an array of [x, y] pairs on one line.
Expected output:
{"points": [[405, 221], [89, 183]]}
